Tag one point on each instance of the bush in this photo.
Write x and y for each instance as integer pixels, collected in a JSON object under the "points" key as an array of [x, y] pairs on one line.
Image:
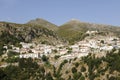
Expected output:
{"points": [[2, 74], [83, 69], [76, 64], [55, 51], [12, 60], [56, 57], [48, 76], [82, 78], [112, 78], [12, 53], [44, 58], [76, 76], [74, 70]]}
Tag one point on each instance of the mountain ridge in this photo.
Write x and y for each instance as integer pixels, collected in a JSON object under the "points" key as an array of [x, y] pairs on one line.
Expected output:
{"points": [[71, 31], [44, 23], [27, 33]]}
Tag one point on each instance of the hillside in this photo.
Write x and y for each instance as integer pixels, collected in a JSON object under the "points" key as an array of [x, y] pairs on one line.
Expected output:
{"points": [[43, 23], [75, 30], [12, 32], [35, 52], [86, 68], [42, 30]]}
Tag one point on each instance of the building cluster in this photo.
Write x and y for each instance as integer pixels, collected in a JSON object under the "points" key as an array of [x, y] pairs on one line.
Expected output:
{"points": [[81, 48]]}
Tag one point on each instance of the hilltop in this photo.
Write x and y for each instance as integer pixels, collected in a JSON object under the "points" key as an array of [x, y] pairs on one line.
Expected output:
{"points": [[74, 30], [44, 23]]}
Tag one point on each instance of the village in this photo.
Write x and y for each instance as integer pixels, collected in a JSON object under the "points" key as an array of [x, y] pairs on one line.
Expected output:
{"points": [[95, 45]]}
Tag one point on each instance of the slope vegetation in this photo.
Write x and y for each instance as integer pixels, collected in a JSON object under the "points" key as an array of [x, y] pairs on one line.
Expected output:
{"points": [[75, 30], [26, 33], [43, 23]]}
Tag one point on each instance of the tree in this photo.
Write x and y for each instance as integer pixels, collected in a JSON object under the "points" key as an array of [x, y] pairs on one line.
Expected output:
{"points": [[76, 75], [74, 70], [57, 56], [3, 75], [102, 41], [82, 78], [76, 64], [44, 58], [48, 76], [83, 69], [55, 51]]}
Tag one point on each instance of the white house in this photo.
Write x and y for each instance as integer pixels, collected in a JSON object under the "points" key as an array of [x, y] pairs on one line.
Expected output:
{"points": [[30, 55], [47, 50], [91, 32], [63, 51], [27, 45], [84, 49], [75, 47], [107, 48], [93, 44]]}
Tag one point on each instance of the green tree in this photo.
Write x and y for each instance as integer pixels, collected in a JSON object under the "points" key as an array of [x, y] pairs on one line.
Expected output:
{"points": [[83, 69], [74, 70], [44, 58]]}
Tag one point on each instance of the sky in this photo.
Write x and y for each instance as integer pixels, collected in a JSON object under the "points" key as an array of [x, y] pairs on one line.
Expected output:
{"points": [[61, 11]]}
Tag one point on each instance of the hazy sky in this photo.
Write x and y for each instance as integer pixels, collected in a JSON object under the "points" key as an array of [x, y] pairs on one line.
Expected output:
{"points": [[61, 11]]}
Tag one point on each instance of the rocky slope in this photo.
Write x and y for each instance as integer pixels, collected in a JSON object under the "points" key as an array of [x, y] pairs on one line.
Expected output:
{"points": [[27, 33]]}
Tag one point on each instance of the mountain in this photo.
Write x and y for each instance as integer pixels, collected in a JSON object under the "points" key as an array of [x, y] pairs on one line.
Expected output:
{"points": [[64, 62], [13, 33], [43, 23], [42, 30], [74, 30]]}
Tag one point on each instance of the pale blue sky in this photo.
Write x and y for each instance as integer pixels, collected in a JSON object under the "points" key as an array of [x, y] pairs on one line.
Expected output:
{"points": [[61, 11]]}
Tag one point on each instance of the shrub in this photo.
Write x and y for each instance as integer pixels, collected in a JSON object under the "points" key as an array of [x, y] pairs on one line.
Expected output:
{"points": [[44, 58], [74, 70], [83, 69], [57, 56], [76, 64]]}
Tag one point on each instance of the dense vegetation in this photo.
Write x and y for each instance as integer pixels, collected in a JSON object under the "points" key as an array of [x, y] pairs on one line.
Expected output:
{"points": [[96, 68]]}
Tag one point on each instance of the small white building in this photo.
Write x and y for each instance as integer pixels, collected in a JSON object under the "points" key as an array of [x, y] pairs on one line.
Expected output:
{"points": [[84, 50], [107, 48], [63, 51], [27, 45], [47, 50], [93, 44], [91, 32], [30, 55], [75, 47]]}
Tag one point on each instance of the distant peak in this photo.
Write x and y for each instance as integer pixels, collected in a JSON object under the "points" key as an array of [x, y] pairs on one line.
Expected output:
{"points": [[44, 23], [38, 19], [74, 20]]}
